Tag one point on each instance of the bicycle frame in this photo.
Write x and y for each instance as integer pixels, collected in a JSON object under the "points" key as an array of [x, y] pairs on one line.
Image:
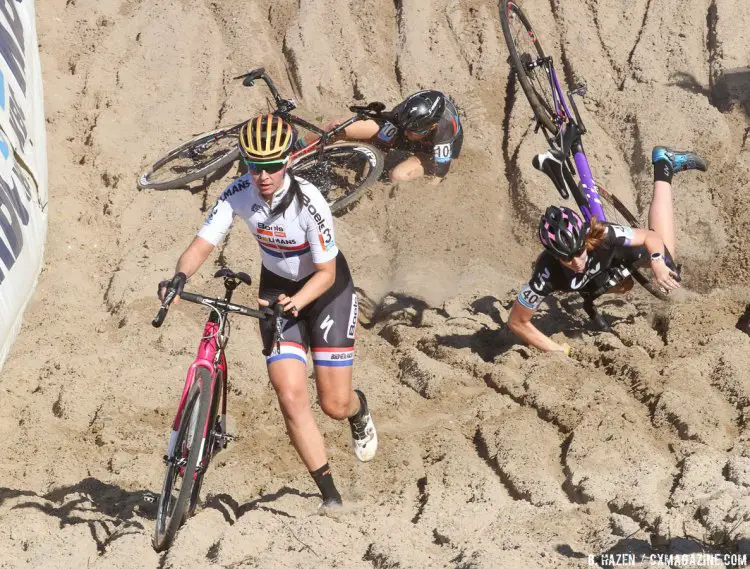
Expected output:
{"points": [[284, 108], [212, 357], [570, 134]]}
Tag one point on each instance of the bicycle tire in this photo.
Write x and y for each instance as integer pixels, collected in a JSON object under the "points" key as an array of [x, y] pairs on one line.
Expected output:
{"points": [[190, 442], [542, 105], [612, 205], [341, 171], [209, 447], [192, 160]]}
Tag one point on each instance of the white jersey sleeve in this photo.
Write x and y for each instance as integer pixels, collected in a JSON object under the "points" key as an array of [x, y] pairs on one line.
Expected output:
{"points": [[218, 221], [317, 221]]}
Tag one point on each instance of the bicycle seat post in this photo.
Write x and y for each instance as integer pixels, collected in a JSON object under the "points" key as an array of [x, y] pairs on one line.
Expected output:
{"points": [[230, 283]]}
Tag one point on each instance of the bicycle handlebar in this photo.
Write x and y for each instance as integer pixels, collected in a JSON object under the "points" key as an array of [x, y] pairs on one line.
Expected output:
{"points": [[263, 312], [249, 79]]}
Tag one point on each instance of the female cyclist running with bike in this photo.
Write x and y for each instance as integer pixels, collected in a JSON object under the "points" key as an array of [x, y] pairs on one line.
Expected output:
{"points": [[303, 270], [577, 255]]}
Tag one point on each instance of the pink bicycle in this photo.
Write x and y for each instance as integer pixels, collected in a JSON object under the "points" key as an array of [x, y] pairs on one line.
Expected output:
{"points": [[199, 428]]}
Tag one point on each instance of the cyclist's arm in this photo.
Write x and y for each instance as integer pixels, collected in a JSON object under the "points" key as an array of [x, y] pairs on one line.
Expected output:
{"points": [[321, 281], [358, 130], [519, 321], [194, 256], [653, 243], [620, 235]]}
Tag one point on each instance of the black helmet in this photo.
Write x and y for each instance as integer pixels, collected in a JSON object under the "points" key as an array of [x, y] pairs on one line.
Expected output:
{"points": [[420, 111], [563, 232]]}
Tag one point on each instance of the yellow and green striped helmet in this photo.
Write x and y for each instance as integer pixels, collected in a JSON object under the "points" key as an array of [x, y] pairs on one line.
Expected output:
{"points": [[266, 137]]}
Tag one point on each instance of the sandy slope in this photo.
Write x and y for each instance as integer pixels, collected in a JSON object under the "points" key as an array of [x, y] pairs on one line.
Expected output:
{"points": [[491, 455]]}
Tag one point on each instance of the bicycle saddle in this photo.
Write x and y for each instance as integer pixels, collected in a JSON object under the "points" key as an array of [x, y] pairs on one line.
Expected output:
{"points": [[553, 164], [229, 274]]}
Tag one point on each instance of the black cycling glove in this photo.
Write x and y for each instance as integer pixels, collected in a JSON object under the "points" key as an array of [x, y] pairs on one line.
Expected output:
{"points": [[177, 285]]}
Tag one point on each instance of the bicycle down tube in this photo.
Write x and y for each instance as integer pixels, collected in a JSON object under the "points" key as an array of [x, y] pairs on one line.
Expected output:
{"points": [[593, 205]]}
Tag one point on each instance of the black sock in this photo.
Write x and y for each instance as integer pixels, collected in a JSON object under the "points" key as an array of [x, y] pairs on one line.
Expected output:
{"points": [[362, 407], [663, 171], [324, 480]]}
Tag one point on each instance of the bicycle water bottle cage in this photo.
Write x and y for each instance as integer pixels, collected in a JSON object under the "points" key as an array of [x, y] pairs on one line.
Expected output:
{"points": [[553, 164]]}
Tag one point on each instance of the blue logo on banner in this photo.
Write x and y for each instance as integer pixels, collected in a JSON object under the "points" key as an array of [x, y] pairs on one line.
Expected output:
{"points": [[4, 147]]}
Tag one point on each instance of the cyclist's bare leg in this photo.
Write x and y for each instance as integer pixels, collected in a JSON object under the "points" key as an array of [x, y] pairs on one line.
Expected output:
{"points": [[409, 169], [289, 379], [337, 399], [661, 214]]}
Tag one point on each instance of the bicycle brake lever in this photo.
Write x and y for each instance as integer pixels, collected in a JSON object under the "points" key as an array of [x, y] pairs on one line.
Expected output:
{"points": [[278, 313]]}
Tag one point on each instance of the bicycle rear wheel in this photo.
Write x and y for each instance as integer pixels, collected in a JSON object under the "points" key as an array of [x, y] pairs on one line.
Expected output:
{"points": [[175, 502], [525, 52], [341, 171], [617, 213], [192, 160]]}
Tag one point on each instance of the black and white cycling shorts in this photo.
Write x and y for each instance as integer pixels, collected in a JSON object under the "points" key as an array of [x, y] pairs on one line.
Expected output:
{"points": [[327, 326]]}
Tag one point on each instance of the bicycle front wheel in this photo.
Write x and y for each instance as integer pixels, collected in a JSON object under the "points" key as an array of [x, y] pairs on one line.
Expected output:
{"points": [[617, 213], [341, 171], [192, 160], [525, 54], [177, 493]]}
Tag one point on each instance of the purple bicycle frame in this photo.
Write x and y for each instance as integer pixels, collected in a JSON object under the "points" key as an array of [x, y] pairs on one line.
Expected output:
{"points": [[594, 206]]}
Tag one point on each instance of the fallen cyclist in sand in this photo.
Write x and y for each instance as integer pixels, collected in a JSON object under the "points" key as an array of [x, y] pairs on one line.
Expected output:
{"points": [[426, 126], [303, 270], [578, 254]]}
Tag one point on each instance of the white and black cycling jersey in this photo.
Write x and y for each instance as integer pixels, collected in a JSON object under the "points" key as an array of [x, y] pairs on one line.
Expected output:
{"points": [[292, 241], [550, 275]]}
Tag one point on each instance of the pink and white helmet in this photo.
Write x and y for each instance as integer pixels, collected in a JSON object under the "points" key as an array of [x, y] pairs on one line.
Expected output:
{"points": [[563, 232]]}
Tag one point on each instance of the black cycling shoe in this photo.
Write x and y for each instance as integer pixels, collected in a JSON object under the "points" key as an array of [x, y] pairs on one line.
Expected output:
{"points": [[679, 159]]}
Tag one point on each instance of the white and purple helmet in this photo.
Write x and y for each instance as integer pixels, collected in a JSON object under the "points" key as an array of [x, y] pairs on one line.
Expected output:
{"points": [[563, 232]]}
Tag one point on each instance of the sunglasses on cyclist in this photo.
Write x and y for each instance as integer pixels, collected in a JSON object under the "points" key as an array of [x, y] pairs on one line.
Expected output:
{"points": [[572, 256], [424, 132], [272, 166]]}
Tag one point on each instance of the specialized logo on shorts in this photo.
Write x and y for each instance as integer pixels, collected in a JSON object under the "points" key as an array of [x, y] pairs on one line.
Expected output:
{"points": [[443, 152], [351, 330], [326, 325], [387, 132]]}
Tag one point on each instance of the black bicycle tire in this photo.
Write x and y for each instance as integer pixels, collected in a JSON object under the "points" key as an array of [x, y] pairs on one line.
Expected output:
{"points": [[631, 220], [542, 114], [373, 156], [209, 446], [162, 537], [180, 512], [228, 157]]}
